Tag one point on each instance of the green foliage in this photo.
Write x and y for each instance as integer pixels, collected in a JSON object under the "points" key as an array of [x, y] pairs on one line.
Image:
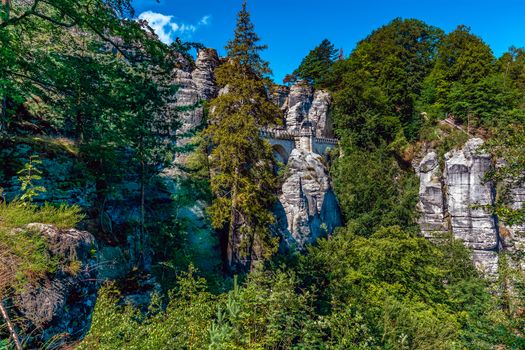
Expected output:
{"points": [[373, 191], [264, 313], [242, 179], [315, 68], [28, 175], [376, 88], [182, 324], [509, 146], [24, 253], [244, 49], [351, 292], [16, 214], [389, 290]]}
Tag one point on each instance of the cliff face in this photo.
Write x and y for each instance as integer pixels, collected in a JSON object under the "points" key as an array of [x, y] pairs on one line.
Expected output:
{"points": [[307, 207], [195, 84], [455, 199], [300, 103]]}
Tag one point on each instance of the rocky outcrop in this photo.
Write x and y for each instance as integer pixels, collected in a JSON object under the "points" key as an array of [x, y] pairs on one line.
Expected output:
{"points": [[319, 113], [194, 86], [62, 303], [279, 96], [301, 103], [513, 236], [203, 76], [431, 203], [468, 194], [455, 199], [307, 207]]}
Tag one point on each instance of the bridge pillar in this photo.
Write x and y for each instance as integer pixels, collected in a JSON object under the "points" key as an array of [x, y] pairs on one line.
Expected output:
{"points": [[306, 136]]}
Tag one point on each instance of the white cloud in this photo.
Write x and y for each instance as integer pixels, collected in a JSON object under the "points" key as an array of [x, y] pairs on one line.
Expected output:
{"points": [[167, 29], [205, 20]]}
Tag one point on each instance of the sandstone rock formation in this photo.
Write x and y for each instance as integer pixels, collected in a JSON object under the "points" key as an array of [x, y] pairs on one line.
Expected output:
{"points": [[456, 198], [300, 103], [62, 302], [468, 193], [195, 86], [307, 207], [319, 113], [431, 204]]}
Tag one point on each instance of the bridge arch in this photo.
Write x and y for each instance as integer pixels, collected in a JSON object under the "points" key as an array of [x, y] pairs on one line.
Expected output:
{"points": [[280, 153]]}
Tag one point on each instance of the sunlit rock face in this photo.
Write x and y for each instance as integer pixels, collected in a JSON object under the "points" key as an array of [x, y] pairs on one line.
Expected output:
{"points": [[431, 205], [195, 84], [203, 75], [319, 113], [307, 207], [455, 199], [468, 194], [302, 103]]}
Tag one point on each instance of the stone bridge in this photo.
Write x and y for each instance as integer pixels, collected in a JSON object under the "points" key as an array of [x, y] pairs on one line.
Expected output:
{"points": [[284, 141]]}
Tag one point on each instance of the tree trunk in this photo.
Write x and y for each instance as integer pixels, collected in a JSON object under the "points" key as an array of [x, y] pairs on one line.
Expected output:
{"points": [[10, 327], [233, 223], [79, 126], [142, 239]]}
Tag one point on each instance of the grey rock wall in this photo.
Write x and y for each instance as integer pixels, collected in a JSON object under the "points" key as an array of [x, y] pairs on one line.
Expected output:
{"points": [[307, 207], [455, 199], [301, 102], [194, 86]]}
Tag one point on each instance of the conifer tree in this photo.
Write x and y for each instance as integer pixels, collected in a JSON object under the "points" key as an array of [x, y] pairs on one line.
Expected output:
{"points": [[242, 181], [315, 67]]}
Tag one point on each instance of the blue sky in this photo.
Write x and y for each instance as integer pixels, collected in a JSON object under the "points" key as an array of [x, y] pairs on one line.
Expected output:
{"points": [[291, 28]]}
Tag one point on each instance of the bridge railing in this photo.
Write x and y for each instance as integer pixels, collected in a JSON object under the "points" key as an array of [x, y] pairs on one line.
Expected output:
{"points": [[326, 140], [283, 134]]}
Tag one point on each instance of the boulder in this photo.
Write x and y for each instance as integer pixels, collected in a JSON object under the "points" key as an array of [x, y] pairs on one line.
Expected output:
{"points": [[61, 303]]}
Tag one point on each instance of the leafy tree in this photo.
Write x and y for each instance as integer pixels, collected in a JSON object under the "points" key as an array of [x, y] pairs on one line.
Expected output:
{"points": [[462, 62], [315, 67], [388, 291], [242, 178], [512, 65], [376, 88], [373, 191]]}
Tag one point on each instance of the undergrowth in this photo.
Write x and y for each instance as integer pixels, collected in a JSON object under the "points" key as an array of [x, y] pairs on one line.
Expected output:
{"points": [[24, 253]]}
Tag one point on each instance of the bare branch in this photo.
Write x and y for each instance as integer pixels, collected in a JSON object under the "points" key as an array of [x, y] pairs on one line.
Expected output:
{"points": [[10, 326]]}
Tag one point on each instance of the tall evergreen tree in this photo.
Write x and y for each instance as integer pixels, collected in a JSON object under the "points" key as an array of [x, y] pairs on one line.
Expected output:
{"points": [[315, 67], [242, 181]]}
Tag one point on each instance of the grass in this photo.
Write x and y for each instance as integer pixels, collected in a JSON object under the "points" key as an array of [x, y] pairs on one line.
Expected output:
{"points": [[24, 254], [18, 214]]}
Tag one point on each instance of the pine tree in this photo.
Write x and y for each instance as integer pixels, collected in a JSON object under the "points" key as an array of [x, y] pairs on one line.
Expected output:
{"points": [[315, 67], [241, 162]]}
